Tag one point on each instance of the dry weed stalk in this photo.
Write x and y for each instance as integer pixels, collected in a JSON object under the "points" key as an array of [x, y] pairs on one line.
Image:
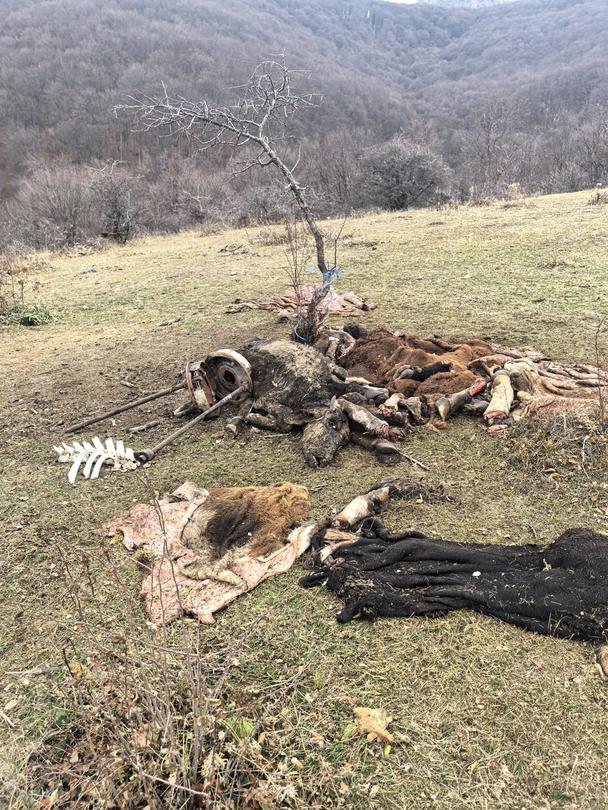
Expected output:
{"points": [[12, 281], [14, 268], [598, 365], [145, 707], [298, 255], [311, 313]]}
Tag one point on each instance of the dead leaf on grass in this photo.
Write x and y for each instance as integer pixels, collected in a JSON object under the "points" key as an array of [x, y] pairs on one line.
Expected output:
{"points": [[373, 722], [141, 736]]}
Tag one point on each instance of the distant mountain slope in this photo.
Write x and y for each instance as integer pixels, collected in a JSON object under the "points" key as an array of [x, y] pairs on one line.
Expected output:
{"points": [[64, 63], [460, 3]]}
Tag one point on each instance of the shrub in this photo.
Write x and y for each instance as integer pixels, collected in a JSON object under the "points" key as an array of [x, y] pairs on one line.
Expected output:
{"points": [[599, 198], [54, 204], [400, 174], [13, 308]]}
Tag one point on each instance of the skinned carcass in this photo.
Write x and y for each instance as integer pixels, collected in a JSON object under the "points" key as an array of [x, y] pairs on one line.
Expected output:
{"points": [[296, 386]]}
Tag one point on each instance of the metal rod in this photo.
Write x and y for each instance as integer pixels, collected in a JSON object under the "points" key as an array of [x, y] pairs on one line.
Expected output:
{"points": [[148, 454], [126, 407]]}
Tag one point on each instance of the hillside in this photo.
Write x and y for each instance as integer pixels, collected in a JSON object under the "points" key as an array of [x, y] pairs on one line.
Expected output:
{"points": [[485, 714], [459, 3], [381, 67], [470, 103]]}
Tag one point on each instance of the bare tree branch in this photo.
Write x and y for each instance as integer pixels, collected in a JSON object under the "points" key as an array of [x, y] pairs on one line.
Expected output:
{"points": [[259, 117]]}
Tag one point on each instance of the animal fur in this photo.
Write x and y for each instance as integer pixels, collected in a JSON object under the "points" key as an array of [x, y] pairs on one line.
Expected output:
{"points": [[205, 547], [560, 589]]}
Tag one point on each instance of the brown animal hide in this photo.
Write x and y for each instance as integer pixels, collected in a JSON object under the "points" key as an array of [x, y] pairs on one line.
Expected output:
{"points": [[334, 302], [386, 382], [380, 355], [206, 547], [525, 381]]}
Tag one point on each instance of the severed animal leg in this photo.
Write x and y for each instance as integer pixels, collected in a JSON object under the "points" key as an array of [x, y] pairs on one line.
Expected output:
{"points": [[361, 418], [420, 373], [361, 507], [448, 406], [386, 452], [499, 408]]}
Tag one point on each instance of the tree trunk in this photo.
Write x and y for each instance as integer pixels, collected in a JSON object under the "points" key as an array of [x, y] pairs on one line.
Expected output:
{"points": [[296, 190]]}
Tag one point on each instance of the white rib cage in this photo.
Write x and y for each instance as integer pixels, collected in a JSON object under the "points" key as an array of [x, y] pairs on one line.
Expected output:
{"points": [[93, 455]]}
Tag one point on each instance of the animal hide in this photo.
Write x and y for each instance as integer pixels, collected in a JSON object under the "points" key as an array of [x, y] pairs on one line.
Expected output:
{"points": [[335, 302], [440, 373], [382, 357], [294, 386], [287, 375], [560, 589], [384, 383], [544, 386], [206, 547]]}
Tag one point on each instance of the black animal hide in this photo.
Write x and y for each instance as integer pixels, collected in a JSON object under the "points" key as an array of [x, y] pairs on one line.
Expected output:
{"points": [[560, 589]]}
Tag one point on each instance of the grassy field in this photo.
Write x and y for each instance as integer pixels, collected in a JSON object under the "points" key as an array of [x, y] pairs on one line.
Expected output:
{"points": [[485, 715]]}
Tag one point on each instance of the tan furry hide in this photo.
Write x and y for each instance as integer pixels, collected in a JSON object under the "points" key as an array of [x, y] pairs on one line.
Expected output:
{"points": [[206, 547], [544, 386]]}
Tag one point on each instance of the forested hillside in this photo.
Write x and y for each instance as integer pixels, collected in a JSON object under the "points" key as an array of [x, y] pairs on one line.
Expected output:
{"points": [[459, 3], [513, 93]]}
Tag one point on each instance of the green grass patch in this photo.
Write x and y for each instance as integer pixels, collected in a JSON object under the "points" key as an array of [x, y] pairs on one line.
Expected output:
{"points": [[485, 715]]}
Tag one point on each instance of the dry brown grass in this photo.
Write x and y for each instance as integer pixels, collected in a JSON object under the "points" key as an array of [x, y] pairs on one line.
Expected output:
{"points": [[485, 715]]}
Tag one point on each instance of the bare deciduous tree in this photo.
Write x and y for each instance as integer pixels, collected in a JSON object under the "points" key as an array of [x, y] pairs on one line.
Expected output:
{"points": [[257, 122], [400, 174], [111, 193]]}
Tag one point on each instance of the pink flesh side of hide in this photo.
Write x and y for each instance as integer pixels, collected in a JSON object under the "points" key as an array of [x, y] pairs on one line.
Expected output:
{"points": [[168, 592]]}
